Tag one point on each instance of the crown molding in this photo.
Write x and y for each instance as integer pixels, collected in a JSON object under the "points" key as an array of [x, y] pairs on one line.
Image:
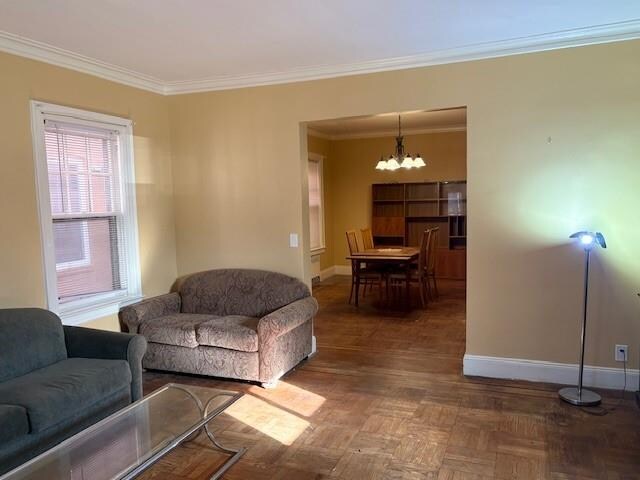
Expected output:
{"points": [[43, 52], [613, 32], [384, 133]]}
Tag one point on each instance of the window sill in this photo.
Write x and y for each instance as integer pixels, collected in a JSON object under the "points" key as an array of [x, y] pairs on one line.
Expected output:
{"points": [[318, 251], [78, 314]]}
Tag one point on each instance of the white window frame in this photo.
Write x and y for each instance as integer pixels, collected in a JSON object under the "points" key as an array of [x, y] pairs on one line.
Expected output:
{"points": [[319, 159], [99, 305]]}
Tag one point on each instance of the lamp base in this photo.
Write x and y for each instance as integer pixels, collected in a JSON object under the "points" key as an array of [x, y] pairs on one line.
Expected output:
{"points": [[586, 398]]}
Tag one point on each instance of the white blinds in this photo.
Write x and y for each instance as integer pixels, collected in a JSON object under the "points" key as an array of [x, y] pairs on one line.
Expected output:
{"points": [[83, 165], [315, 205]]}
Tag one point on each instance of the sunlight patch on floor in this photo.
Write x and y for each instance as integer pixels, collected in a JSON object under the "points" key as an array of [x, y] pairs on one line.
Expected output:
{"points": [[295, 399], [270, 420]]}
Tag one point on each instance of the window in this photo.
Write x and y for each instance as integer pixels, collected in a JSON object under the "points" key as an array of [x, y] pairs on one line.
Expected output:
{"points": [[86, 196], [316, 204]]}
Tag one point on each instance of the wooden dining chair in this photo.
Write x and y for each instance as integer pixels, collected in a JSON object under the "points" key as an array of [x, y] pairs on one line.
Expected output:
{"points": [[367, 238], [432, 250], [366, 276], [419, 274]]}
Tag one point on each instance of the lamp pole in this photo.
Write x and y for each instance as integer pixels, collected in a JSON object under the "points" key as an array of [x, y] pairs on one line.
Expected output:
{"points": [[583, 336], [581, 396]]}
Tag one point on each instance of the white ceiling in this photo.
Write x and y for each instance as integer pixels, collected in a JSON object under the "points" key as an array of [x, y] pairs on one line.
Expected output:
{"points": [[176, 46], [387, 124]]}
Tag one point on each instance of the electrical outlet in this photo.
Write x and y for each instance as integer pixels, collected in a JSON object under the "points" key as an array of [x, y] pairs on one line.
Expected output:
{"points": [[622, 353]]}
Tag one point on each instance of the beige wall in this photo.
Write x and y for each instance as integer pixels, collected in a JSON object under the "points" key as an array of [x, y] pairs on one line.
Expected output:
{"points": [[552, 147], [239, 168], [21, 276], [351, 174]]}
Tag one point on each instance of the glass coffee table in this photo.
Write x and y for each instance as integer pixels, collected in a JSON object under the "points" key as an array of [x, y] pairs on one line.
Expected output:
{"points": [[128, 442]]}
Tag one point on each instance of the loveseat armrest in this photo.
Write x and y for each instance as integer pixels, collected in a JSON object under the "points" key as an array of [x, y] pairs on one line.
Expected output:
{"points": [[132, 316], [286, 318], [91, 343]]}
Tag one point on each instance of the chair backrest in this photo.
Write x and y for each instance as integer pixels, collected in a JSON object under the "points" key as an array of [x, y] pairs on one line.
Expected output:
{"points": [[253, 293], [424, 251], [432, 248], [30, 338], [352, 242], [367, 238]]}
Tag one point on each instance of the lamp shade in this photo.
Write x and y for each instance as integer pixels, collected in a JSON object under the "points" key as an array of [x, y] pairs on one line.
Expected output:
{"points": [[392, 164], [382, 165], [589, 240], [418, 162], [407, 162]]}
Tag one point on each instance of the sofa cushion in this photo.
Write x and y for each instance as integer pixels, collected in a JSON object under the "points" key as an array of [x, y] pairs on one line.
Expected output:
{"points": [[30, 338], [235, 332], [13, 422], [54, 394], [253, 293], [177, 329]]}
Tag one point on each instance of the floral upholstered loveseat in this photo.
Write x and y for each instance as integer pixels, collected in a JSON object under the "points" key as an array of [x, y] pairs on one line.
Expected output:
{"points": [[244, 324]]}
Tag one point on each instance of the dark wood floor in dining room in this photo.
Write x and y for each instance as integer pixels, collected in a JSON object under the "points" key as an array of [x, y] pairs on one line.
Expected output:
{"points": [[384, 398]]}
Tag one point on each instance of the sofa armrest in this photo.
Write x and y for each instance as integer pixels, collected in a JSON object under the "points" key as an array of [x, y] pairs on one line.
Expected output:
{"points": [[132, 316], [286, 318], [91, 343]]}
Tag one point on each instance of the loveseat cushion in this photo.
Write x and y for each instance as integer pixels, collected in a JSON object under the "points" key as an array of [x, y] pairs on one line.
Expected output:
{"points": [[13, 422], [65, 389], [178, 329], [30, 338], [235, 332]]}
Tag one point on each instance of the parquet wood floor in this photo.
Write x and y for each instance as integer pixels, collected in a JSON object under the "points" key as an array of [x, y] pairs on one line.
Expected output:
{"points": [[384, 398]]}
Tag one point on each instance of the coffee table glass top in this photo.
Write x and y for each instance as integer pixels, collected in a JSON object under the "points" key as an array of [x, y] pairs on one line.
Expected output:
{"points": [[129, 441]]}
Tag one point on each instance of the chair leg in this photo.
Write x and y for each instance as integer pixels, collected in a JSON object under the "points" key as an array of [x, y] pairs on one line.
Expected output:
{"points": [[422, 293], [435, 286], [353, 286]]}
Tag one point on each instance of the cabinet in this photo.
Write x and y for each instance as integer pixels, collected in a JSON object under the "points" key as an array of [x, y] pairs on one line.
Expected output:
{"points": [[402, 211]]}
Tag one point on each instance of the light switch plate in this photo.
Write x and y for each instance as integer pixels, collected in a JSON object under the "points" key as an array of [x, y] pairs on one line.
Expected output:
{"points": [[293, 240]]}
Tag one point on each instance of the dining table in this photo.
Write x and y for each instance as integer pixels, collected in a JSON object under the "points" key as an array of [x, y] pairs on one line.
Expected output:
{"points": [[399, 257]]}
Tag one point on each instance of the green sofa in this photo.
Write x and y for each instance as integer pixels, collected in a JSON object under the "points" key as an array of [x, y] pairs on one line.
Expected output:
{"points": [[56, 380]]}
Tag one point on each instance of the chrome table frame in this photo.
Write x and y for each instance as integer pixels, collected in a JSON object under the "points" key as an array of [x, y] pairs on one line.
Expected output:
{"points": [[202, 425], [191, 434]]}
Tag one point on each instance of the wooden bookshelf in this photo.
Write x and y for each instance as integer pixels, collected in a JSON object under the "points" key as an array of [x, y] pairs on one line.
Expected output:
{"points": [[402, 211]]}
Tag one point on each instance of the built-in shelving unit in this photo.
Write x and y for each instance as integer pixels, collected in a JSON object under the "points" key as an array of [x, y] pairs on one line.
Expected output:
{"points": [[402, 211]]}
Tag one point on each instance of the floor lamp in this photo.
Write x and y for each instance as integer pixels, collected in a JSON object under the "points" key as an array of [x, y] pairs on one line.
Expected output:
{"points": [[578, 395]]}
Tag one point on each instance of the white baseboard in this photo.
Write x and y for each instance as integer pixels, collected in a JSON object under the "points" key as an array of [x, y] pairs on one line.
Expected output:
{"points": [[327, 272], [335, 270], [342, 270], [550, 372]]}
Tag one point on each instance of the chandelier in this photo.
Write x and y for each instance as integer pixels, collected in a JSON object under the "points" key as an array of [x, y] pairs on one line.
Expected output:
{"points": [[400, 159]]}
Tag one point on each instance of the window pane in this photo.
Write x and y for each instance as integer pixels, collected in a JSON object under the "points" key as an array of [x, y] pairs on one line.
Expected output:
{"points": [[83, 174], [316, 215], [83, 169], [314, 227], [71, 243], [88, 257]]}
